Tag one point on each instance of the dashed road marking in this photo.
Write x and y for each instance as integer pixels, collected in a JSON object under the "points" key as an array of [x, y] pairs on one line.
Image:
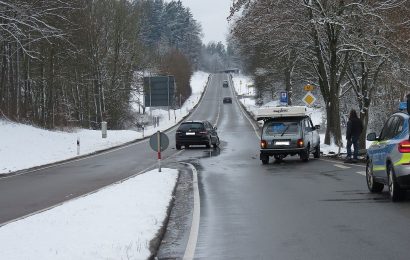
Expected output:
{"points": [[341, 166], [362, 173]]}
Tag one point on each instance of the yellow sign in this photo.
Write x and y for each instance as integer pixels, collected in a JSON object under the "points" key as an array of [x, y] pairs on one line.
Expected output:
{"points": [[308, 88], [309, 99]]}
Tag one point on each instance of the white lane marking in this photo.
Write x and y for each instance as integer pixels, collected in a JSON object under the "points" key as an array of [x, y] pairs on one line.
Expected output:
{"points": [[336, 161], [342, 166], [193, 234], [362, 173]]}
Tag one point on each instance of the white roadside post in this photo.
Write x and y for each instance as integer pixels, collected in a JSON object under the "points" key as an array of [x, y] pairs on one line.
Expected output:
{"points": [[104, 129], [159, 150], [78, 145]]}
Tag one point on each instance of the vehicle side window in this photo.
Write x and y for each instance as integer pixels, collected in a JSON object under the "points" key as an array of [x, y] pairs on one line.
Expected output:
{"points": [[389, 128], [398, 126], [307, 126]]}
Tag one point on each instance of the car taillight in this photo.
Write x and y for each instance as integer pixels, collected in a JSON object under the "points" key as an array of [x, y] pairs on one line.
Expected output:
{"points": [[179, 132], [404, 146], [264, 144], [300, 143], [203, 132]]}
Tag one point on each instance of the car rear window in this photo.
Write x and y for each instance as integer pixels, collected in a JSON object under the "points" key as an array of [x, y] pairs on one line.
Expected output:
{"points": [[274, 128], [191, 126]]}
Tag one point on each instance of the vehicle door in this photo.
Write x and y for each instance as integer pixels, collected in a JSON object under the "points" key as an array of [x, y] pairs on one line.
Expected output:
{"points": [[315, 135], [381, 148], [308, 133]]}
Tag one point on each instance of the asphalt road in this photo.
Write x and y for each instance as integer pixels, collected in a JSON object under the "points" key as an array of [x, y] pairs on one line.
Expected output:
{"points": [[33, 191], [293, 210]]}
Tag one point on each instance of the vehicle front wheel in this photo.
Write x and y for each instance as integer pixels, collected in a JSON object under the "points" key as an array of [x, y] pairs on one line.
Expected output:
{"points": [[265, 159], [372, 185], [316, 154], [396, 194]]}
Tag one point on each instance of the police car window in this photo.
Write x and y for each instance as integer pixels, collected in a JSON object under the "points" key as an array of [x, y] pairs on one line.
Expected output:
{"points": [[398, 126], [386, 129], [389, 129]]}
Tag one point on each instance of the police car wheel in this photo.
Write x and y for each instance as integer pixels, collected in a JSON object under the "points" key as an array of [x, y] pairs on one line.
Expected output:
{"points": [[372, 185], [394, 190]]}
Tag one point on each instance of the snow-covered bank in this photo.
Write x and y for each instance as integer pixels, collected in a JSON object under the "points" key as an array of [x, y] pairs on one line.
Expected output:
{"points": [[117, 222], [23, 146]]}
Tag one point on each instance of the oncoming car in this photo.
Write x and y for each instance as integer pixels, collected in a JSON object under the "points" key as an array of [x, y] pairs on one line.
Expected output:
{"points": [[388, 157], [288, 131], [196, 133], [225, 84]]}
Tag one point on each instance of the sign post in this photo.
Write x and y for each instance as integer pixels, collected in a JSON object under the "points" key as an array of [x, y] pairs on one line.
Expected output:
{"points": [[159, 142]]}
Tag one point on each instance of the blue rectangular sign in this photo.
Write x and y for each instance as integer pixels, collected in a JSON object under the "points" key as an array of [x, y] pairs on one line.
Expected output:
{"points": [[284, 97]]}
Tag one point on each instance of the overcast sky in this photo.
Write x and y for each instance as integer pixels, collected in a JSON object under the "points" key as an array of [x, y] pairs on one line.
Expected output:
{"points": [[211, 14]]}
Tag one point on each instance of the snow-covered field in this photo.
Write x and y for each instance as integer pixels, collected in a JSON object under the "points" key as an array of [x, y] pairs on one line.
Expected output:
{"points": [[23, 146], [117, 222]]}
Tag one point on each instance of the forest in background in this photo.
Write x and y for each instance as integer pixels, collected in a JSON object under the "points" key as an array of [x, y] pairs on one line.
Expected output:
{"points": [[356, 53], [77, 62]]}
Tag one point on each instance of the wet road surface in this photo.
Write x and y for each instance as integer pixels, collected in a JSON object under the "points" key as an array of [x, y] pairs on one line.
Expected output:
{"points": [[289, 210]]}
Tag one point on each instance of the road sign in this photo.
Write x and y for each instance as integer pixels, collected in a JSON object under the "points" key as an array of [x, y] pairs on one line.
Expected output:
{"points": [[163, 140], [284, 97], [309, 99], [308, 88]]}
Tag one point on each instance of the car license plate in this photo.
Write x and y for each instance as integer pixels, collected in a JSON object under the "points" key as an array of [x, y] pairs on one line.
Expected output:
{"points": [[190, 133], [282, 143]]}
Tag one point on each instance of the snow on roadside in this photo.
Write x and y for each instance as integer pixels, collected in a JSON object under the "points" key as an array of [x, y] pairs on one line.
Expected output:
{"points": [[24, 146], [117, 222]]}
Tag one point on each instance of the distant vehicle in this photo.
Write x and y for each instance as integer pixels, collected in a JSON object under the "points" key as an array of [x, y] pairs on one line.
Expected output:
{"points": [[196, 133], [388, 157], [227, 100], [225, 84], [287, 131]]}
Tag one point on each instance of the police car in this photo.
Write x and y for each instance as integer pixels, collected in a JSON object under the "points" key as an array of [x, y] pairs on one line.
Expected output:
{"points": [[388, 158]]}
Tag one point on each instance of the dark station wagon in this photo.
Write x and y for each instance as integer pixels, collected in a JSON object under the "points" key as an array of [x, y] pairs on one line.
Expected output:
{"points": [[196, 133]]}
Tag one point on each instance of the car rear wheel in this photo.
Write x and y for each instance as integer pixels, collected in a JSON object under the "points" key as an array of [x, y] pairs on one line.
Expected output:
{"points": [[208, 145], [396, 194], [216, 144], [178, 146], [186, 146], [305, 154], [316, 154], [265, 159], [372, 185]]}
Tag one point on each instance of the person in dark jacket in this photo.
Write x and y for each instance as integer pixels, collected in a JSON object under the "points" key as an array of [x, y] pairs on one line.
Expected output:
{"points": [[353, 131]]}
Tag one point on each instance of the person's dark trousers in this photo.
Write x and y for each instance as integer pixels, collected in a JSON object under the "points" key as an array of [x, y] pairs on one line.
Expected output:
{"points": [[355, 141]]}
